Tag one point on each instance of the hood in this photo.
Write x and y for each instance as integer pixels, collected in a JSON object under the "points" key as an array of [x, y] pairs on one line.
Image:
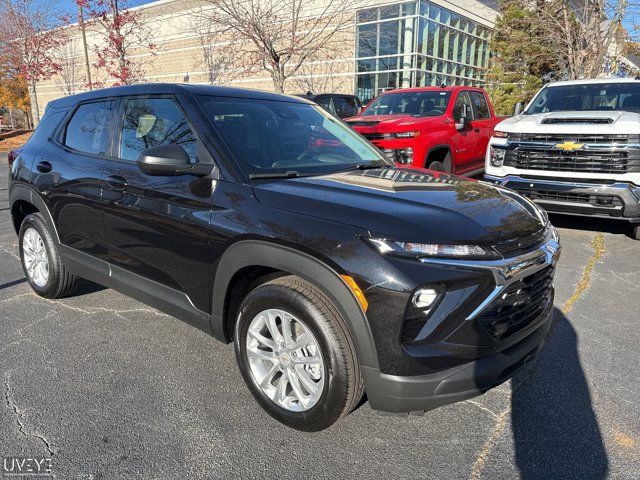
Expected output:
{"points": [[387, 121], [578, 122], [408, 204]]}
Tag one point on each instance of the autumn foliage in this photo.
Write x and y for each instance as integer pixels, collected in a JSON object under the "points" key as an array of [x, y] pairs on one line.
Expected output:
{"points": [[123, 31]]}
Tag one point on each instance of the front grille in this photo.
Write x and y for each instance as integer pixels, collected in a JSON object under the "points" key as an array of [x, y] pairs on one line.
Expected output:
{"points": [[606, 201], [513, 248], [519, 305], [612, 154]]}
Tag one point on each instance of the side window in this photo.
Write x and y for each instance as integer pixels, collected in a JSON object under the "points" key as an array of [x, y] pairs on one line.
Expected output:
{"points": [[480, 105], [149, 122], [463, 99], [89, 128], [325, 102], [345, 107]]}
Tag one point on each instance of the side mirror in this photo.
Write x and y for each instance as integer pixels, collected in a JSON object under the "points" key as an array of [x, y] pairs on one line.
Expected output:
{"points": [[463, 122], [518, 108], [169, 160]]}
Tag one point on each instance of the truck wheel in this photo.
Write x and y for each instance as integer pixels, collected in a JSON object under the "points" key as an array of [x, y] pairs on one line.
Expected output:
{"points": [[40, 260], [441, 166], [296, 355], [635, 232]]}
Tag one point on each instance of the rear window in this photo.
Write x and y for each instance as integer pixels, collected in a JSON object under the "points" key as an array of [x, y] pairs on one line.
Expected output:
{"points": [[89, 129]]}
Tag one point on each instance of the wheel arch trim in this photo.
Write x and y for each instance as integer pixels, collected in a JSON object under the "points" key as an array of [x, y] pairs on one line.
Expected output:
{"points": [[247, 253], [30, 195]]}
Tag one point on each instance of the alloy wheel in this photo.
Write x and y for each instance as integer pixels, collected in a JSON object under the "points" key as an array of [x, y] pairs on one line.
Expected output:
{"points": [[36, 260], [285, 360]]}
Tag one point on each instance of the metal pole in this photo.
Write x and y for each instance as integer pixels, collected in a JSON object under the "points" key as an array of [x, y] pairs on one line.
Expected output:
{"points": [[84, 43]]}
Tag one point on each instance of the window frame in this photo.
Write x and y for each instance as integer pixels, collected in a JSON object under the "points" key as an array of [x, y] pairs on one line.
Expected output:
{"points": [[119, 124], [473, 105], [60, 135], [453, 109]]}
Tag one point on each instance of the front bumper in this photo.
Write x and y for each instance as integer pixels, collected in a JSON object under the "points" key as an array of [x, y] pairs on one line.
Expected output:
{"points": [[609, 200], [481, 367], [415, 394]]}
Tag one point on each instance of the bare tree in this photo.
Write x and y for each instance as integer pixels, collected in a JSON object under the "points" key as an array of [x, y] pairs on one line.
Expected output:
{"points": [[222, 58], [320, 73], [586, 34], [69, 75], [281, 35]]}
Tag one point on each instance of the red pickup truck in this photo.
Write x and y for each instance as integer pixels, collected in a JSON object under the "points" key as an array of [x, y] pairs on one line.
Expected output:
{"points": [[440, 128]]}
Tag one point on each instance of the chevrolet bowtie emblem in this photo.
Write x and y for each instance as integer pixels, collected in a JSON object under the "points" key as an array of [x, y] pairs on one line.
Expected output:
{"points": [[569, 146]]}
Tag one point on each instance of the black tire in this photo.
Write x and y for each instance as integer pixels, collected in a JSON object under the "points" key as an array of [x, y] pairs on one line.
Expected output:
{"points": [[443, 166], [635, 232], [60, 283], [343, 387]]}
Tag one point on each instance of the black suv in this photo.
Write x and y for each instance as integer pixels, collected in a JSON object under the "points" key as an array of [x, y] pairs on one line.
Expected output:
{"points": [[262, 219], [341, 105]]}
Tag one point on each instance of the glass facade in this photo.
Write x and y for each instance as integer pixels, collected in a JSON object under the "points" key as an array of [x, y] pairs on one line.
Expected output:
{"points": [[417, 44]]}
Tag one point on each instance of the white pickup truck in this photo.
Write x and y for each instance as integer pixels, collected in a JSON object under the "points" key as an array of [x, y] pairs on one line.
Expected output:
{"points": [[575, 149]]}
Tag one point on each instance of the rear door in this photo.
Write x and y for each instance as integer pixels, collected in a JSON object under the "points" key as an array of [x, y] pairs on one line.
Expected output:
{"points": [[482, 125], [464, 141], [68, 173], [157, 226]]}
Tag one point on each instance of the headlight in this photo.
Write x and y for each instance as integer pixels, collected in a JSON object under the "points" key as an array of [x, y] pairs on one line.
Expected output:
{"points": [[500, 134], [407, 134], [496, 155], [385, 246]]}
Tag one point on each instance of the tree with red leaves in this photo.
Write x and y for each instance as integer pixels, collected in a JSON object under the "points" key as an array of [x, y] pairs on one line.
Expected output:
{"points": [[28, 44], [123, 30]]}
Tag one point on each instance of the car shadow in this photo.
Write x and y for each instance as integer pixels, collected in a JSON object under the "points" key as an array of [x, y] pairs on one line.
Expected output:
{"points": [[555, 429], [12, 283], [591, 224]]}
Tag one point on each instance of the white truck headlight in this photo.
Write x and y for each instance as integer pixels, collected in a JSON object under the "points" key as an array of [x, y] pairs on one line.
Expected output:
{"points": [[496, 156]]}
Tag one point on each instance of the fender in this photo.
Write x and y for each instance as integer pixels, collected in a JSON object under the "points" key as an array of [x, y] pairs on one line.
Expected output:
{"points": [[246, 253], [437, 147], [29, 194]]}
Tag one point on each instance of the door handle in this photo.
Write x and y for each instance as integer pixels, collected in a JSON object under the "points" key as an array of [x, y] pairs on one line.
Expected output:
{"points": [[116, 182], [477, 130], [44, 167]]}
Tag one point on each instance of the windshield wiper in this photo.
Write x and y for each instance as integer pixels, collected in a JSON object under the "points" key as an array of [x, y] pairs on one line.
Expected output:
{"points": [[288, 174], [365, 166]]}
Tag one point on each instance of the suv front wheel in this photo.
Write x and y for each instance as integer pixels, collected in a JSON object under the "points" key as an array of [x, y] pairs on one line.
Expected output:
{"points": [[295, 354]]}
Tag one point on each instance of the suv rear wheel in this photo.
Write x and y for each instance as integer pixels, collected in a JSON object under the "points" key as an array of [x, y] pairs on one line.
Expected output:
{"points": [[40, 260], [295, 354], [635, 232]]}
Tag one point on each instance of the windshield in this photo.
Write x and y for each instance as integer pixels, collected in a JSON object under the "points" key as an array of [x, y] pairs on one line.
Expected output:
{"points": [[417, 104], [595, 96], [271, 137]]}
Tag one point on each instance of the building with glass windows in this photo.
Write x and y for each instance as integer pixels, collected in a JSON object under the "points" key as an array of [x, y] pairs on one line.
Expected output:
{"points": [[418, 43], [390, 44]]}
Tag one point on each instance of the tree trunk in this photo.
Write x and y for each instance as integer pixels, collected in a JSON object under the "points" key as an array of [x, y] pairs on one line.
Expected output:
{"points": [[278, 80], [33, 98]]}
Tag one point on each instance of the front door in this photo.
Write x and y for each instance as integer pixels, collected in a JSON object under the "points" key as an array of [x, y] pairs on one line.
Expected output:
{"points": [[157, 226]]}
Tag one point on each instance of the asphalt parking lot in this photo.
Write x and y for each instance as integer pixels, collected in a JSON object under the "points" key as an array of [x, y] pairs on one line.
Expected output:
{"points": [[111, 389]]}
